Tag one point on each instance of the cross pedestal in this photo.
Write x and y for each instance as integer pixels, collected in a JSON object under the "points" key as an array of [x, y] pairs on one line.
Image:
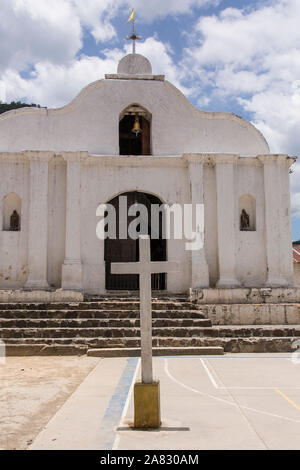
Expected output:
{"points": [[146, 392]]}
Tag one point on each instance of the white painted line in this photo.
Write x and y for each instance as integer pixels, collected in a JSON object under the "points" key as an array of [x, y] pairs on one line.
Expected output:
{"points": [[221, 400], [209, 374], [118, 437], [258, 388], [218, 387], [233, 399]]}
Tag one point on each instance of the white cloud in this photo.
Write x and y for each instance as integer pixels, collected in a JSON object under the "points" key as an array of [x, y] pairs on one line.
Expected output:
{"points": [[253, 56], [96, 15], [33, 30], [151, 10], [43, 39], [54, 85], [160, 56], [36, 30]]}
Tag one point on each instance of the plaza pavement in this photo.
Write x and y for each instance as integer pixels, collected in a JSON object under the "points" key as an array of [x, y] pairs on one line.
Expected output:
{"points": [[245, 401]]}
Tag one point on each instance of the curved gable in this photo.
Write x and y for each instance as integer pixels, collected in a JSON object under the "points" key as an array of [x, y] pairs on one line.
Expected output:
{"points": [[90, 123]]}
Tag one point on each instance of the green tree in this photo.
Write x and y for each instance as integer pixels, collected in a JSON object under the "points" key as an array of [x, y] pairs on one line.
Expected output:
{"points": [[16, 105]]}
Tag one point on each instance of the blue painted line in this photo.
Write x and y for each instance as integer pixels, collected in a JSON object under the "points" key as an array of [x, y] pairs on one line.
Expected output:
{"points": [[113, 413]]}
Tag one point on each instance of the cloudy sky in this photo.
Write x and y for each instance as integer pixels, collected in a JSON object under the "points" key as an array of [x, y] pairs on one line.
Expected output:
{"points": [[225, 55]]}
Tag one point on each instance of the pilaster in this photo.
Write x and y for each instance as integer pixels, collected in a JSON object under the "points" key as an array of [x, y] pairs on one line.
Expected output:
{"points": [[225, 173], [277, 219], [38, 220], [72, 267], [199, 266]]}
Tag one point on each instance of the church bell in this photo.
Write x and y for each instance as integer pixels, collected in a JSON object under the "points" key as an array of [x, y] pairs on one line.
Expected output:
{"points": [[137, 128]]}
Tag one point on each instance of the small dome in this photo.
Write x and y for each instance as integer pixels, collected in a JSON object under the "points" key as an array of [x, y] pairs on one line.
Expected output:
{"points": [[135, 64]]}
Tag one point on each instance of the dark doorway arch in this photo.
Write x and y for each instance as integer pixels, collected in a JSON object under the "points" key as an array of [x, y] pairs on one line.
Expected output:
{"points": [[119, 250], [132, 143]]}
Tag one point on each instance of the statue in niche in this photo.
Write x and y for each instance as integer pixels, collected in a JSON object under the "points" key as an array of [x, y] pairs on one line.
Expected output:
{"points": [[14, 222], [245, 221]]}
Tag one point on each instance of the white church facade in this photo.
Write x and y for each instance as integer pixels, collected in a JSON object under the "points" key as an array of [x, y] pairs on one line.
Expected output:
{"points": [[58, 165]]}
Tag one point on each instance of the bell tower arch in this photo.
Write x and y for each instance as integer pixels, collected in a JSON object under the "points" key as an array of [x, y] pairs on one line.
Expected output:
{"points": [[135, 131]]}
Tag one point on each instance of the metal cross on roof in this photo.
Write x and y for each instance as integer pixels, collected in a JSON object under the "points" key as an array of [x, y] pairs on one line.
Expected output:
{"points": [[134, 37]]}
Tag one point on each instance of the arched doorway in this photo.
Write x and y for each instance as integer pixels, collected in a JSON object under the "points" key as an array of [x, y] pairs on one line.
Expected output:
{"points": [[135, 143], [127, 250]]}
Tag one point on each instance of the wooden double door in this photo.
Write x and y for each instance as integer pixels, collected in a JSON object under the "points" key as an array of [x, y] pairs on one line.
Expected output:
{"points": [[127, 250]]}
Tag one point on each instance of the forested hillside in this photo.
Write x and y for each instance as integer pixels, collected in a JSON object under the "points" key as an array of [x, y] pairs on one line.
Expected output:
{"points": [[15, 105]]}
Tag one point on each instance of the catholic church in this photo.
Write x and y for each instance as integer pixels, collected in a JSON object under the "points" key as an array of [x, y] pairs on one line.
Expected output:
{"points": [[135, 134]]}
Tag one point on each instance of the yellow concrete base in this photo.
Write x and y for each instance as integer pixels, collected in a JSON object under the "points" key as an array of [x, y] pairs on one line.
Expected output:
{"points": [[147, 405]]}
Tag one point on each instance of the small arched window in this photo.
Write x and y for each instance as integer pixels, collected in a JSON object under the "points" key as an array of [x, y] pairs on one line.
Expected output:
{"points": [[12, 206], [135, 131], [247, 211]]}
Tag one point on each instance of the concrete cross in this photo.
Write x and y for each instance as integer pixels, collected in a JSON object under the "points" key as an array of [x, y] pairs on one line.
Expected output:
{"points": [[145, 268]]}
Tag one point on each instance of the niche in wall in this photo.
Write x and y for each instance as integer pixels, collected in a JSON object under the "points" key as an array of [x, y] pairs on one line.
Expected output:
{"points": [[12, 206], [247, 213]]}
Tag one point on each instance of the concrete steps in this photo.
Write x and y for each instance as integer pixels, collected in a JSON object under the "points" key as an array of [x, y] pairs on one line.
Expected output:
{"points": [[111, 325], [101, 305], [100, 324], [98, 314], [30, 346], [135, 352], [163, 332]]}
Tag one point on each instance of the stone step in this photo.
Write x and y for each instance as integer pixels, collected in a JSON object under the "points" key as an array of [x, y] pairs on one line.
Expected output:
{"points": [[101, 323], [131, 342], [81, 345], [101, 305], [135, 298], [175, 332], [35, 349], [74, 350], [136, 352], [99, 332], [97, 314]]}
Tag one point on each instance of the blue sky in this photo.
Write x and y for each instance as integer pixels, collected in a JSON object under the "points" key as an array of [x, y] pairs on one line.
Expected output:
{"points": [[225, 55]]}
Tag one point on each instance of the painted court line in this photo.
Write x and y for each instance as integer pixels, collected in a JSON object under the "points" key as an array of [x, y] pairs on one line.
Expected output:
{"points": [[218, 387], [288, 399], [115, 409], [229, 358], [210, 376], [235, 400], [221, 400]]}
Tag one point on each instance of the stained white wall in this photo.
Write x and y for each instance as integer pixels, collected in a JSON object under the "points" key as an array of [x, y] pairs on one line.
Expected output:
{"points": [[168, 178], [99, 185]]}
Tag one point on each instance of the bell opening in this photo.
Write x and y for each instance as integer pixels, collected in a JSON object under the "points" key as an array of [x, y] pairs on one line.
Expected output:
{"points": [[134, 131]]}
